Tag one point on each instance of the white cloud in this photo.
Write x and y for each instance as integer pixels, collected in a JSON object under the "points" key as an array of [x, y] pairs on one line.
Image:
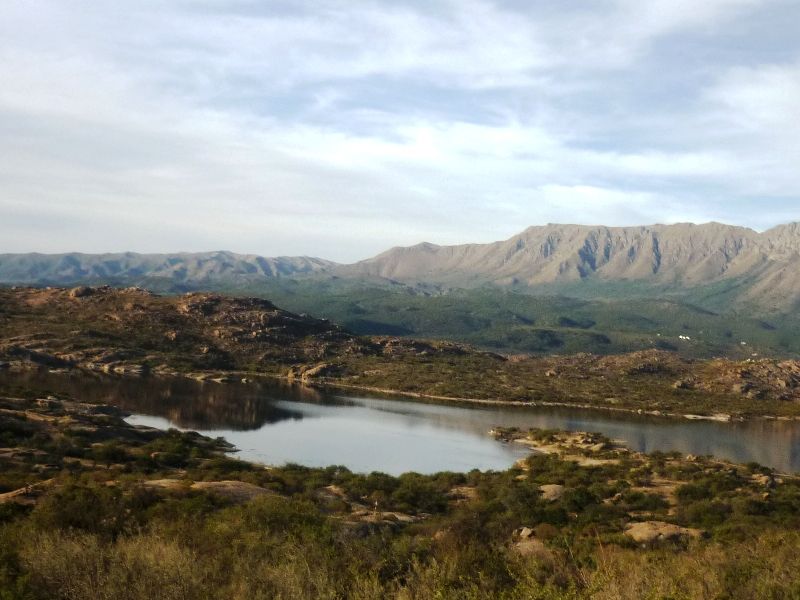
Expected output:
{"points": [[760, 100], [341, 128], [755, 111], [590, 204]]}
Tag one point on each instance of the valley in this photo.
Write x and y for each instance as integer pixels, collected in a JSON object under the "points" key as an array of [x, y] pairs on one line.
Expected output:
{"points": [[98, 487], [133, 331], [704, 291]]}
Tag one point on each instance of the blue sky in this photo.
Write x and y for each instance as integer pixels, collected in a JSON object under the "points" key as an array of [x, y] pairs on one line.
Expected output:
{"points": [[338, 129]]}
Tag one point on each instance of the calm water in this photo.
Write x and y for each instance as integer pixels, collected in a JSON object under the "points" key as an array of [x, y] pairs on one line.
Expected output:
{"points": [[275, 424]]}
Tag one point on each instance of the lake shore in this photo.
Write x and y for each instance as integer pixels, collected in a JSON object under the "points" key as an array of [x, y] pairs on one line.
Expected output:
{"points": [[225, 377]]}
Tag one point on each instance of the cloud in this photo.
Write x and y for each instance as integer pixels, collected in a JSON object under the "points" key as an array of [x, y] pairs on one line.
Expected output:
{"points": [[338, 128], [760, 100], [754, 109]]}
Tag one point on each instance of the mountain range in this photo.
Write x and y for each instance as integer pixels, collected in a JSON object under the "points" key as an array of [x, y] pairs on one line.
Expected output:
{"points": [[183, 267], [711, 264]]}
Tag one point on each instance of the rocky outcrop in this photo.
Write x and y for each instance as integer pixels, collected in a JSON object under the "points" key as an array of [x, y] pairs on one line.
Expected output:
{"points": [[237, 492], [551, 492], [308, 373], [81, 292], [131, 331], [651, 532]]}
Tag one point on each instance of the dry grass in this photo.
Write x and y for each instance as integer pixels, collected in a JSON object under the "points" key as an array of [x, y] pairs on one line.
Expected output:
{"points": [[765, 568], [80, 567]]}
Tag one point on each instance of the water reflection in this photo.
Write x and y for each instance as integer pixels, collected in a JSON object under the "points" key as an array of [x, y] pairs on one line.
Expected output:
{"points": [[185, 403], [280, 423]]}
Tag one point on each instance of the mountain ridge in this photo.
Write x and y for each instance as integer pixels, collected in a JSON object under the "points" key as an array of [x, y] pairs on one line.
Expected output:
{"points": [[739, 264], [681, 255], [182, 267]]}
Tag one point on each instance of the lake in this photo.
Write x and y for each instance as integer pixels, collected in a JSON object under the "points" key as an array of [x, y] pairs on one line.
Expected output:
{"points": [[275, 424]]}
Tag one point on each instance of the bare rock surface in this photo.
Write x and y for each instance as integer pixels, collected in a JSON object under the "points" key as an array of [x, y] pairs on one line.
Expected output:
{"points": [[551, 492], [650, 532]]}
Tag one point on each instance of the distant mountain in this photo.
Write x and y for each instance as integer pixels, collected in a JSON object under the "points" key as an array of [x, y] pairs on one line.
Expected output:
{"points": [[736, 263], [182, 268], [712, 265]]}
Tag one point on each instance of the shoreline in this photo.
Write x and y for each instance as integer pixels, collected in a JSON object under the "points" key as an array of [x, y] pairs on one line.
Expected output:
{"points": [[227, 377], [715, 417], [322, 383]]}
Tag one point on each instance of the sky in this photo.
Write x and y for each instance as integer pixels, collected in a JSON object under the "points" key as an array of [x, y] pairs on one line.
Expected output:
{"points": [[341, 128]]}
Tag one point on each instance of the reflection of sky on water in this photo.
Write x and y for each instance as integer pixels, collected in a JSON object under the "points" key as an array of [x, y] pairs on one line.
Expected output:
{"points": [[275, 424]]}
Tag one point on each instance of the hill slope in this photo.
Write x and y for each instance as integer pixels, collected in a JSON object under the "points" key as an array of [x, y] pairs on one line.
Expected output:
{"points": [[131, 332], [745, 266]]}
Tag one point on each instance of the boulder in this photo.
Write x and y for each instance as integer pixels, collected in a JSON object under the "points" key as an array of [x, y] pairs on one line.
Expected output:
{"points": [[306, 373], [532, 547], [768, 481], [551, 492], [523, 533], [49, 403], [651, 532], [81, 292]]}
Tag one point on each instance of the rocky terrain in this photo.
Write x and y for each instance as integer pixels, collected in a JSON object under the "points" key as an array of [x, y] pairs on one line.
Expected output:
{"points": [[132, 331], [209, 336], [47, 436]]}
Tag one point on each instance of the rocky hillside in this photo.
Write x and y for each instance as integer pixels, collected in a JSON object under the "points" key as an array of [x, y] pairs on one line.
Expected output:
{"points": [[763, 267], [133, 331], [210, 336]]}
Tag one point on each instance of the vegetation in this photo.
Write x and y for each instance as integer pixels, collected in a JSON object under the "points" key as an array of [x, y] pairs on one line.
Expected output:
{"points": [[132, 331], [149, 514], [510, 321], [91, 507], [617, 318]]}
